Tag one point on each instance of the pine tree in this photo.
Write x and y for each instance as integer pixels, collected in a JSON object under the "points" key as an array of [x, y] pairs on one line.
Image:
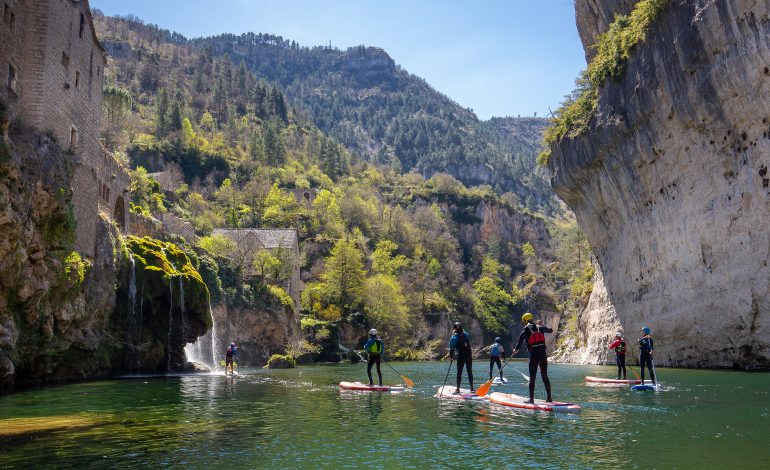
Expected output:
{"points": [[278, 104], [161, 115], [259, 100]]}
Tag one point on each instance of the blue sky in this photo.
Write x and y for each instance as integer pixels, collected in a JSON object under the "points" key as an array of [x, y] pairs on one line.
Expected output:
{"points": [[498, 57]]}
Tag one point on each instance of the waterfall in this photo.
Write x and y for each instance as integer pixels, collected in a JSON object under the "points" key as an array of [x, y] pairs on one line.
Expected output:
{"points": [[132, 326], [182, 311], [205, 350], [214, 345], [170, 323]]}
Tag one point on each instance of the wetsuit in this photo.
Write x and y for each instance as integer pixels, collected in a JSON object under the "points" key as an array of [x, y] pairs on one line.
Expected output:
{"points": [[495, 352], [645, 357], [619, 345], [375, 349], [533, 335], [461, 342]]}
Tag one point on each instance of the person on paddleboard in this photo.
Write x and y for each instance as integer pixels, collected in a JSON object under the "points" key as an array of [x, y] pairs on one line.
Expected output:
{"points": [[374, 348], [533, 335], [645, 353], [230, 354], [461, 342], [496, 351], [619, 345]]}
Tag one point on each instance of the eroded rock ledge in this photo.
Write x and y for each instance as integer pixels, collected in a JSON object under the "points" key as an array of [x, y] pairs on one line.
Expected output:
{"points": [[671, 187]]}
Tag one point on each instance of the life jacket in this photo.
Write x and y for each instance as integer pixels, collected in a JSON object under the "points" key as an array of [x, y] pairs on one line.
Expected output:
{"points": [[230, 352], [621, 349], [644, 345], [463, 343], [494, 351], [375, 347], [536, 339]]}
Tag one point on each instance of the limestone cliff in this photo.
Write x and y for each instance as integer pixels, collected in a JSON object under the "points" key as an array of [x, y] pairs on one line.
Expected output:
{"points": [[670, 185], [60, 317]]}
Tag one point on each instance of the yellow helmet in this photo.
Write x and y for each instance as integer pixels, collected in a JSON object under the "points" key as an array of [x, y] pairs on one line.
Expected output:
{"points": [[527, 317]]}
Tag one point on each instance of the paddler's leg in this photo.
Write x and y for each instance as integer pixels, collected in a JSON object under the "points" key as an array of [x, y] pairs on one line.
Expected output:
{"points": [[369, 364], [491, 366], [622, 362], [620, 367], [652, 371], [532, 377], [641, 366], [469, 368], [378, 359], [546, 380]]}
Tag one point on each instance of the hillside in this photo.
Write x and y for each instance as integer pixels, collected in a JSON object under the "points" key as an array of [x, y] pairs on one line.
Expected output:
{"points": [[380, 246], [376, 109]]}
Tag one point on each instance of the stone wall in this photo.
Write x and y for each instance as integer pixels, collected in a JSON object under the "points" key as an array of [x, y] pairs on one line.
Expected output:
{"points": [[60, 64]]}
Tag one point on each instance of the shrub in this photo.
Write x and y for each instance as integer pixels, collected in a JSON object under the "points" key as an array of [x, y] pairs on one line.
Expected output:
{"points": [[283, 296]]}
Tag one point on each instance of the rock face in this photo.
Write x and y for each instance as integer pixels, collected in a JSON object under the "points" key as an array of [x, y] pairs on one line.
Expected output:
{"points": [[670, 186], [60, 315]]}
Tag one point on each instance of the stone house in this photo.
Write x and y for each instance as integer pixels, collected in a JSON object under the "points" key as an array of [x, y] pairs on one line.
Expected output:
{"points": [[248, 241], [305, 197], [51, 78]]}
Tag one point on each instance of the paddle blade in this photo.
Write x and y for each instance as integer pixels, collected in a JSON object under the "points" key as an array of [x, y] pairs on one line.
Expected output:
{"points": [[484, 389], [408, 382]]}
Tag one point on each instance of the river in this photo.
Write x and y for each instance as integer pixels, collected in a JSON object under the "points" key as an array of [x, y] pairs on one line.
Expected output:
{"points": [[299, 419]]}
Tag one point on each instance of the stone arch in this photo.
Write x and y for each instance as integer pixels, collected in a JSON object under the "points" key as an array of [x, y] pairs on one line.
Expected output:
{"points": [[120, 212]]}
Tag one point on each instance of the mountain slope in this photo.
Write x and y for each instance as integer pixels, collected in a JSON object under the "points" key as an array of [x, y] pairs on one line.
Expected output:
{"points": [[377, 110]]}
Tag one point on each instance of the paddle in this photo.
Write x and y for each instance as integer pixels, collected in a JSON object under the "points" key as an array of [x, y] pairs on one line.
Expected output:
{"points": [[406, 379], [451, 359]]}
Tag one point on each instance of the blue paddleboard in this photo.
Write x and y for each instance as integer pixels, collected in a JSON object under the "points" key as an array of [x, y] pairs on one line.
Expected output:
{"points": [[644, 388]]}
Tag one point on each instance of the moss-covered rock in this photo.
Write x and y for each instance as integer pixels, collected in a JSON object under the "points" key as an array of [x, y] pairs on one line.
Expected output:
{"points": [[167, 305], [280, 361]]}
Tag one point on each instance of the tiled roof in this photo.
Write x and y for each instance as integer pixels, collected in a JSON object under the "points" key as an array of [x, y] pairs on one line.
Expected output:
{"points": [[268, 238]]}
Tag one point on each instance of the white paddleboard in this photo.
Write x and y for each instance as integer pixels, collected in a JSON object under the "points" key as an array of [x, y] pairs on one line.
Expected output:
{"points": [[448, 391]]}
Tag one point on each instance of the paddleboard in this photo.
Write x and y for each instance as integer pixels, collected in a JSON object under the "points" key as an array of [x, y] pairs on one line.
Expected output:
{"points": [[647, 387], [517, 401], [448, 391], [373, 388], [498, 381], [601, 380]]}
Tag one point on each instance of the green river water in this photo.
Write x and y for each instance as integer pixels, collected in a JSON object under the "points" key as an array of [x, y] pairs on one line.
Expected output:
{"points": [[299, 419]]}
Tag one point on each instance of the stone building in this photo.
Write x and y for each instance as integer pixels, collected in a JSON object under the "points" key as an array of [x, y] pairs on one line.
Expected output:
{"points": [[51, 77], [249, 241]]}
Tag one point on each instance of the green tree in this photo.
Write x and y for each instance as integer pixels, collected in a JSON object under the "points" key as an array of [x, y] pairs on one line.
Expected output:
{"points": [[208, 124], [344, 275], [161, 115], [493, 306], [385, 304], [218, 245], [383, 261]]}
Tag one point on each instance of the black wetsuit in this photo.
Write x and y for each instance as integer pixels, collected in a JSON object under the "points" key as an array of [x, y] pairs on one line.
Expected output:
{"points": [[495, 359], [464, 357], [645, 357], [374, 359], [537, 358]]}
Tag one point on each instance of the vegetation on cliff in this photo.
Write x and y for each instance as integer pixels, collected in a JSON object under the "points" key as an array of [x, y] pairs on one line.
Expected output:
{"points": [[613, 49]]}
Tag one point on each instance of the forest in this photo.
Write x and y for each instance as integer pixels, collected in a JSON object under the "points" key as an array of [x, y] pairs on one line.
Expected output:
{"points": [[396, 232]]}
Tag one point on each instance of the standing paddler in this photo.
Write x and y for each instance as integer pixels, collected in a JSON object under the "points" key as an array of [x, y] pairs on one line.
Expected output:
{"points": [[533, 335], [645, 353], [619, 345], [374, 349], [461, 342], [230, 355]]}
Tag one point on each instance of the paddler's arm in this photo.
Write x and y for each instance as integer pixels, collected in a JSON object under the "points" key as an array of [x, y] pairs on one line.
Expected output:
{"points": [[522, 337]]}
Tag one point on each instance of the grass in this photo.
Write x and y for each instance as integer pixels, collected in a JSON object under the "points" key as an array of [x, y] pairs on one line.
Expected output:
{"points": [[613, 49]]}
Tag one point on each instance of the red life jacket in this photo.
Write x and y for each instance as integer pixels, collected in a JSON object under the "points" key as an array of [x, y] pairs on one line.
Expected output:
{"points": [[536, 339]]}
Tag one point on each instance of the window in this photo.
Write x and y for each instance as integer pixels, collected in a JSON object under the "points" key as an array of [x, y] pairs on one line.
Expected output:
{"points": [[11, 77], [12, 22], [73, 138], [91, 64], [98, 71], [82, 25], [65, 59], [6, 14], [77, 79]]}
